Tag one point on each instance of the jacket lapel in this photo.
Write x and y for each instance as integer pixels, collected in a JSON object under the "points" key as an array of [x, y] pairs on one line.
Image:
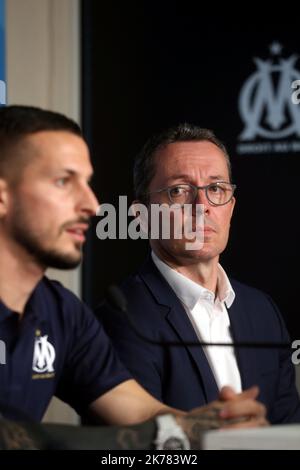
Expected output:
{"points": [[242, 331], [177, 318]]}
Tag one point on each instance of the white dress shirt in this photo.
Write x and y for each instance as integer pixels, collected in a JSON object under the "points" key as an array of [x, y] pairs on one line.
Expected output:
{"points": [[210, 320]]}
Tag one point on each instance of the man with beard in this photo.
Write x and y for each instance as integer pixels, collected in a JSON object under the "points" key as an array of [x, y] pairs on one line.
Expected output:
{"points": [[183, 295], [54, 344]]}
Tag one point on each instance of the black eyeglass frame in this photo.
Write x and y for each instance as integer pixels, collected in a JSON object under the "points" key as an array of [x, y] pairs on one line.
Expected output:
{"points": [[196, 189]]}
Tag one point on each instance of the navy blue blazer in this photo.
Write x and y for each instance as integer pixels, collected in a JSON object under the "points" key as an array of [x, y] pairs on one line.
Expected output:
{"points": [[181, 376]]}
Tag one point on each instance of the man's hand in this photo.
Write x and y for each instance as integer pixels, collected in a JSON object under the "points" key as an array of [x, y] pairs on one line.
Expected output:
{"points": [[232, 410], [241, 410]]}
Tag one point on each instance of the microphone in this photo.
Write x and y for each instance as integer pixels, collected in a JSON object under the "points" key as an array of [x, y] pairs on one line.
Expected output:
{"points": [[117, 300]]}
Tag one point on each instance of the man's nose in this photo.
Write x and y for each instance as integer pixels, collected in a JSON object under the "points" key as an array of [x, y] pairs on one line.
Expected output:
{"points": [[201, 198], [89, 202]]}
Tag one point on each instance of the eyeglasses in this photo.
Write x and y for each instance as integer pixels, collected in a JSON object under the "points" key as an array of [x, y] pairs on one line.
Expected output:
{"points": [[218, 194]]}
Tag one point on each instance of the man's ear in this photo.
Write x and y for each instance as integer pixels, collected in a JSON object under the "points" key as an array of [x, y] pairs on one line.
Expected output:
{"points": [[3, 197], [140, 212], [135, 207], [233, 200]]}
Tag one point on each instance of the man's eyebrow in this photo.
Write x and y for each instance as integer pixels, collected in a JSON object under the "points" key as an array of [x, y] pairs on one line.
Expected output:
{"points": [[218, 177], [179, 177], [68, 170], [72, 172], [188, 177]]}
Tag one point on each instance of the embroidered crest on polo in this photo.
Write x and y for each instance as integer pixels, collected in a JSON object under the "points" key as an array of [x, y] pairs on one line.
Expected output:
{"points": [[43, 356]]}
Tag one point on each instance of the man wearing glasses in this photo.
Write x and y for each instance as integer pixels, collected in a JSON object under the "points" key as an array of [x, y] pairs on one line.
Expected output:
{"points": [[184, 296]]}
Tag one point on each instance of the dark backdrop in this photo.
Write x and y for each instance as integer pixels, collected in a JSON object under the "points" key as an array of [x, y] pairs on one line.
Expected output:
{"points": [[145, 68]]}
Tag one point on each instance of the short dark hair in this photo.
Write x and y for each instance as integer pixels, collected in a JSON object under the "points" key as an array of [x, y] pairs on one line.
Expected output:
{"points": [[144, 165], [17, 122]]}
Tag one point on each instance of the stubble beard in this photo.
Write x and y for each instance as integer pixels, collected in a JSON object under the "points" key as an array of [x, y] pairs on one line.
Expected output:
{"points": [[31, 242]]}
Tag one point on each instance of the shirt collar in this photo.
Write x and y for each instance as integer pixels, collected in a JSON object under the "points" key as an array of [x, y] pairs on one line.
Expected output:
{"points": [[34, 308], [189, 292]]}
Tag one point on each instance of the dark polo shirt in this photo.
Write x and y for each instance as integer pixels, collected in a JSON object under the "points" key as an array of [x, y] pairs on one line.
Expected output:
{"points": [[58, 348]]}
